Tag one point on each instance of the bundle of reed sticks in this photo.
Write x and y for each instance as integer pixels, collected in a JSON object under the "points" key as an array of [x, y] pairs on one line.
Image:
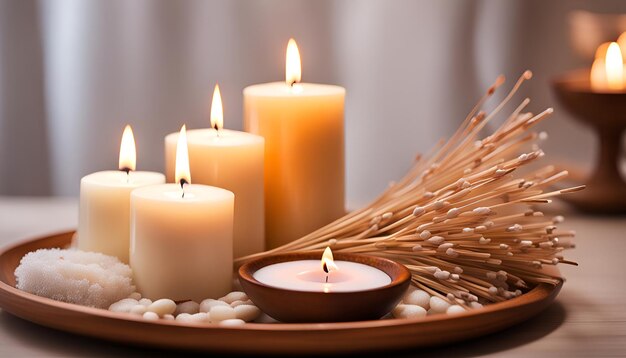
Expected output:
{"points": [[461, 220]]}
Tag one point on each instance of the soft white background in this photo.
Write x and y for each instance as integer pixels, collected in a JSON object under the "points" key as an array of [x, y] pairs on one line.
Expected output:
{"points": [[73, 72]]}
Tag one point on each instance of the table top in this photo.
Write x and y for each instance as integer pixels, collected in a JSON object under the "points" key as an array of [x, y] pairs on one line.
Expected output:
{"points": [[587, 319]]}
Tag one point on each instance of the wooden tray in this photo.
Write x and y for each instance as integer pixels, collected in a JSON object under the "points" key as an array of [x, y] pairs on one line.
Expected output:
{"points": [[257, 338]]}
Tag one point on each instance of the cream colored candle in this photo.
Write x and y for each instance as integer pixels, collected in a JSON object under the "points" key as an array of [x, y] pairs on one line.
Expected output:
{"points": [[303, 127], [231, 160], [182, 237], [104, 216]]}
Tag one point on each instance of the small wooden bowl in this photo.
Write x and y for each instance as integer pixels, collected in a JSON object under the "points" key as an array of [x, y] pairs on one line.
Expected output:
{"points": [[300, 306]]}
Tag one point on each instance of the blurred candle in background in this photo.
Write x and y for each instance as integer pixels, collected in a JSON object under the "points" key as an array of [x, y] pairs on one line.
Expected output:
{"points": [[104, 216], [182, 236], [607, 70], [231, 160], [303, 127]]}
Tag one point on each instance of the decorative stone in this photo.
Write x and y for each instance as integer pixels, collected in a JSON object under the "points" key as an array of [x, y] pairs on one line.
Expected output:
{"points": [[206, 305], [190, 307], [247, 312], [418, 297], [162, 307], [222, 313]]}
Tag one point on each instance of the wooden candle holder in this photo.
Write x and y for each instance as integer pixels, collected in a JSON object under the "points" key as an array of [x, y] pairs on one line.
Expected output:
{"points": [[303, 306], [605, 112]]}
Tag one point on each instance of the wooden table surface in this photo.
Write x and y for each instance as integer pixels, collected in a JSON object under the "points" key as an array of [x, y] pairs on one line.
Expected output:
{"points": [[587, 320]]}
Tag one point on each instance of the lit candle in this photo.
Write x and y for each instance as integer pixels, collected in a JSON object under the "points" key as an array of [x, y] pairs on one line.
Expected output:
{"points": [[182, 236], [607, 70], [326, 275], [231, 160], [104, 216], [303, 127]]}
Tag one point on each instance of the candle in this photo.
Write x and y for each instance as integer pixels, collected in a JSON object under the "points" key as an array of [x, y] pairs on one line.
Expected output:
{"points": [[607, 71], [325, 276], [182, 236], [104, 216], [231, 160], [302, 124]]}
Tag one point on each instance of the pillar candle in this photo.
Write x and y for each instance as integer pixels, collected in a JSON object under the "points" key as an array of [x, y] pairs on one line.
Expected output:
{"points": [[182, 237], [104, 216], [232, 160], [303, 127]]}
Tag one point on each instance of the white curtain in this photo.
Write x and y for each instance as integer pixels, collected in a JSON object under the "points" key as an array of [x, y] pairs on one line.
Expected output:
{"points": [[73, 72]]}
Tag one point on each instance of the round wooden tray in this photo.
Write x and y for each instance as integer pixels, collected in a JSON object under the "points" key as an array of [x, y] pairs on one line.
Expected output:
{"points": [[312, 338]]}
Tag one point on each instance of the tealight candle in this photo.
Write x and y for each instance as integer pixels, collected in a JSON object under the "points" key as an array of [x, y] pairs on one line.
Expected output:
{"points": [[299, 287], [327, 276], [182, 237], [104, 217]]}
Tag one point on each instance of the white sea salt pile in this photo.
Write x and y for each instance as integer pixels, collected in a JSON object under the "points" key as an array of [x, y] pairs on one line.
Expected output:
{"points": [[74, 276]]}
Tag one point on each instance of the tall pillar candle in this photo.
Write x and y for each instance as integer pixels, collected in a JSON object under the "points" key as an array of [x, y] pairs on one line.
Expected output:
{"points": [[181, 238], [104, 216], [231, 160], [303, 127]]}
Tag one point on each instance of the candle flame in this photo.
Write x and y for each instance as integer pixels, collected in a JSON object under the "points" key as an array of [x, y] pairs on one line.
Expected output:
{"points": [[128, 153], [293, 67], [182, 173], [614, 67], [217, 112], [328, 263]]}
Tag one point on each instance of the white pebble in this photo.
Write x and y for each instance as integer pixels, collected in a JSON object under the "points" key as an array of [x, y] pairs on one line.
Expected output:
{"points": [[145, 301], [247, 312], [234, 296], [183, 317], [190, 307], [138, 309], [438, 305], [232, 322], [484, 241], [419, 298], [475, 305], [151, 316], [123, 305], [408, 311], [162, 307], [468, 230], [454, 309], [135, 295], [169, 317], [417, 247], [558, 219], [424, 234], [200, 317], [221, 313], [209, 303]]}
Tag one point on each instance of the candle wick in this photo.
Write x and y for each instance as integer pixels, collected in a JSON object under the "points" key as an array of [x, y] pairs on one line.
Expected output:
{"points": [[127, 171], [217, 129], [292, 83], [183, 181], [326, 278]]}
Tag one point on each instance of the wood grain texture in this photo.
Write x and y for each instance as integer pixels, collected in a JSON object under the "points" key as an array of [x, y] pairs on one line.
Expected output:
{"points": [[364, 336]]}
